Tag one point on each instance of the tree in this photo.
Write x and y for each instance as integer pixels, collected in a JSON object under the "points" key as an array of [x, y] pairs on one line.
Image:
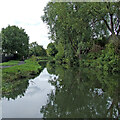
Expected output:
{"points": [[51, 50], [71, 23], [37, 50], [66, 26], [109, 13], [14, 41]]}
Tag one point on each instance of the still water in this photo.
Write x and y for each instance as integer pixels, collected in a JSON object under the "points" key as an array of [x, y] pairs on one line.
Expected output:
{"points": [[64, 93], [34, 98]]}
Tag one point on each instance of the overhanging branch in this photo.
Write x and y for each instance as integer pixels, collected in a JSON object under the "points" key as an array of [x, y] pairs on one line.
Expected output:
{"points": [[107, 25]]}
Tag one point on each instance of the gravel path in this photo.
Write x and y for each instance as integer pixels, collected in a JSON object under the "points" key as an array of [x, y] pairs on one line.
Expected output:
{"points": [[20, 63]]}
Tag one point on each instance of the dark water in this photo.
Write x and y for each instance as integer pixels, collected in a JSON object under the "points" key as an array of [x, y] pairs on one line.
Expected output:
{"points": [[64, 93]]}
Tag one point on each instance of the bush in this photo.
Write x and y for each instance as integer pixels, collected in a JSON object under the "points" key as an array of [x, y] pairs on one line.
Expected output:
{"points": [[106, 60], [96, 48]]}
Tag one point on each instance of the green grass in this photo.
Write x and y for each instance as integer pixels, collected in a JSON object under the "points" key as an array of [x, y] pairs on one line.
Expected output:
{"points": [[10, 63], [44, 58], [30, 68], [15, 78]]}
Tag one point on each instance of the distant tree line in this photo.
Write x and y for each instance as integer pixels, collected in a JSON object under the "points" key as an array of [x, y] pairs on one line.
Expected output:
{"points": [[37, 50]]}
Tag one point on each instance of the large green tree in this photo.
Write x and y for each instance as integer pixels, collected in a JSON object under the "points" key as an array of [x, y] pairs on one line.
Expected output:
{"points": [[71, 23], [14, 41]]}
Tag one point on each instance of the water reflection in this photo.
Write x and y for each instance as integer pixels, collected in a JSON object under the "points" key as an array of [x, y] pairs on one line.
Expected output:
{"points": [[34, 97], [82, 93], [76, 93], [11, 90]]}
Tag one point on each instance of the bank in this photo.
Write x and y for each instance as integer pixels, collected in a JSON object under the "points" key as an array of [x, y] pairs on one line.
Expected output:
{"points": [[27, 70]]}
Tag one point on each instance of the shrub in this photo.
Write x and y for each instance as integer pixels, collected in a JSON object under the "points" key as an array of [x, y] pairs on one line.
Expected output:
{"points": [[106, 60]]}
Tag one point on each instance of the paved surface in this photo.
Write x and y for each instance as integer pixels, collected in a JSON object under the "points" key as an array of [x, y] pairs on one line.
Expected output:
{"points": [[20, 63]]}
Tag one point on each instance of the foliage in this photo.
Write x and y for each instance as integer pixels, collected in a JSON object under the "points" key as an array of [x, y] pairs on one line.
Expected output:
{"points": [[83, 47], [107, 60], [37, 50], [73, 23], [96, 48], [101, 41], [51, 50], [50, 67], [14, 41], [60, 53], [42, 58], [15, 88]]}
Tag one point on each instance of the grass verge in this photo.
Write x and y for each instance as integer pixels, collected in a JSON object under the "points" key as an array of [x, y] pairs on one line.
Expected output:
{"points": [[30, 68], [11, 62]]}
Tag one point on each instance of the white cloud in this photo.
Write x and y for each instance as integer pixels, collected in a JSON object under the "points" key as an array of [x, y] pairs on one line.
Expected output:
{"points": [[26, 14]]}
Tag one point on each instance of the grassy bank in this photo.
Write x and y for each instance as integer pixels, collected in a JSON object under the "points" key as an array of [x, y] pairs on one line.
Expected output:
{"points": [[10, 63], [15, 78], [30, 68]]}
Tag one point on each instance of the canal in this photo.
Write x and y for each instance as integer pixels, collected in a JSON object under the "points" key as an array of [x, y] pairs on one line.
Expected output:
{"points": [[59, 92]]}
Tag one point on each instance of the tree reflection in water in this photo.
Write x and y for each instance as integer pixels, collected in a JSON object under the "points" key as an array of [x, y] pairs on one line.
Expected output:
{"points": [[11, 90], [82, 93]]}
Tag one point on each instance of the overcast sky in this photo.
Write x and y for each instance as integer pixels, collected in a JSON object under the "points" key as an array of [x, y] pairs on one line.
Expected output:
{"points": [[26, 14]]}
